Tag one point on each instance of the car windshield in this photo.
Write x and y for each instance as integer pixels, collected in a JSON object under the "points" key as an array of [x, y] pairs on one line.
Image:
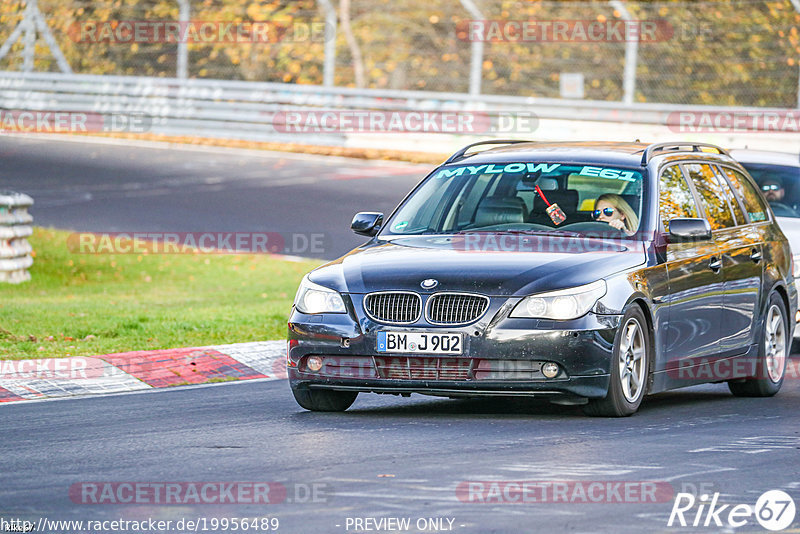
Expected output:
{"points": [[780, 186], [535, 197]]}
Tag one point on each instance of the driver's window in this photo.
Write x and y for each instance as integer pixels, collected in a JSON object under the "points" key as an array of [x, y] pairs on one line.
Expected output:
{"points": [[675, 199]]}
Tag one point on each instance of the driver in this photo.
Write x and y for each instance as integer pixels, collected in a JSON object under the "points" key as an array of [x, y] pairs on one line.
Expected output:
{"points": [[773, 190], [775, 193], [614, 210]]}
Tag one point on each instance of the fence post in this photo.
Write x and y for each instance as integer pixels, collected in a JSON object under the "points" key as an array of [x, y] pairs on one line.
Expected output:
{"points": [[631, 56], [34, 20], [476, 60], [184, 12], [29, 39], [15, 227], [329, 64]]}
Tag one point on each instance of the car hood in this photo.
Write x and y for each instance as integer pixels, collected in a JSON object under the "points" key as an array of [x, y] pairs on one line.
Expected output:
{"points": [[403, 263]]}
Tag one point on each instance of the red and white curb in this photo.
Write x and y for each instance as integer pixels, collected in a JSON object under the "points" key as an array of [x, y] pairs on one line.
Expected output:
{"points": [[140, 370]]}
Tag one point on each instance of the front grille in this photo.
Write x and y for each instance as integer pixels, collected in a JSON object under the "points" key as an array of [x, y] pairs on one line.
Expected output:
{"points": [[424, 368], [456, 308], [343, 367], [394, 307], [406, 368]]}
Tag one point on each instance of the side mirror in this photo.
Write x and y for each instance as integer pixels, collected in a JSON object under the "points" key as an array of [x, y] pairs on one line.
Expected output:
{"points": [[683, 230], [367, 223]]}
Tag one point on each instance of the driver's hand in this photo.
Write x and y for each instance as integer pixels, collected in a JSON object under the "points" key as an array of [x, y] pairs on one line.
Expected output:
{"points": [[618, 224]]}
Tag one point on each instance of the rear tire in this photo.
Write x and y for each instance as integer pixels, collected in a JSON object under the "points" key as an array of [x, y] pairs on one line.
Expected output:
{"points": [[629, 368], [324, 400], [772, 354]]}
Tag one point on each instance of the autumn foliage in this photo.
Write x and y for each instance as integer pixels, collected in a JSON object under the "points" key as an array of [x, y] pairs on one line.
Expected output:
{"points": [[715, 52]]}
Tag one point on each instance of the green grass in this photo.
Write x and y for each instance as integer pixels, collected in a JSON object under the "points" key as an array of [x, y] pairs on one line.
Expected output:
{"points": [[84, 304]]}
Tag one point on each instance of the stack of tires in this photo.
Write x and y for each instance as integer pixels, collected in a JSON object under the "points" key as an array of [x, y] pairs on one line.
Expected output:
{"points": [[15, 227]]}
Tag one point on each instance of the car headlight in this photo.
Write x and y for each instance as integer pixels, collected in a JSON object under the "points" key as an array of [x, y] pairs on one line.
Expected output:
{"points": [[314, 298], [562, 304]]}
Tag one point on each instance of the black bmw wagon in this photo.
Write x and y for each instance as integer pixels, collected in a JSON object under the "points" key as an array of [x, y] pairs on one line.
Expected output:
{"points": [[586, 273]]}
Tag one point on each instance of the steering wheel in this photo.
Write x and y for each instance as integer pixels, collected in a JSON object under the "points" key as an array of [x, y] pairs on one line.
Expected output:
{"points": [[590, 227]]}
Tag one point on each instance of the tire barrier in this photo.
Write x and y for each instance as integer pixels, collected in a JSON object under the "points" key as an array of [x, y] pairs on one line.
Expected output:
{"points": [[16, 254]]}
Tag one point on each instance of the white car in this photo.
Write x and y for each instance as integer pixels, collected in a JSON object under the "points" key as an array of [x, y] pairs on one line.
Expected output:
{"points": [[778, 176]]}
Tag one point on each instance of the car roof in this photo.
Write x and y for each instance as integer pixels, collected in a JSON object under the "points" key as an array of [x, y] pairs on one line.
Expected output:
{"points": [[787, 159], [607, 152]]}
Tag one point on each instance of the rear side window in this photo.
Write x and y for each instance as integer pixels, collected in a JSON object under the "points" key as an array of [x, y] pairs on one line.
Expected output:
{"points": [[675, 198], [750, 197], [711, 195], [732, 201]]}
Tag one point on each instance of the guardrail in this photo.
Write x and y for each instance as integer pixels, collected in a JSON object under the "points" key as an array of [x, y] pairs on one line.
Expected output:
{"points": [[15, 227], [249, 110]]}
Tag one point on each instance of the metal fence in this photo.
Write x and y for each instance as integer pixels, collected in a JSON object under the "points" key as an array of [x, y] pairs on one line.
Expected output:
{"points": [[260, 111], [728, 53], [316, 115]]}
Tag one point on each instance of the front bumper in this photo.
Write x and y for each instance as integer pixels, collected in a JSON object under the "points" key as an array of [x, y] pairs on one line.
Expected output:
{"points": [[498, 359]]}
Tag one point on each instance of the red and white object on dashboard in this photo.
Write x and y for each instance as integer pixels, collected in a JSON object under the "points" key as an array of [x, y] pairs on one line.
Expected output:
{"points": [[555, 213]]}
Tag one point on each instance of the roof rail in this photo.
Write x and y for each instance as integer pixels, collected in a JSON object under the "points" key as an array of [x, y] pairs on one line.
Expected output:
{"points": [[649, 152], [462, 153]]}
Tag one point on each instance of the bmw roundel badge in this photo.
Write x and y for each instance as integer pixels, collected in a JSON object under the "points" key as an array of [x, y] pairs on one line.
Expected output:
{"points": [[429, 283]]}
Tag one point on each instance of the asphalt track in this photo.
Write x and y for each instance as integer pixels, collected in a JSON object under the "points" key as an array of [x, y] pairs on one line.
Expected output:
{"points": [[101, 187], [391, 457], [386, 456]]}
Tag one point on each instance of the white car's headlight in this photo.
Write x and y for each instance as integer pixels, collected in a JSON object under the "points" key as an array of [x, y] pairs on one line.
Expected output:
{"points": [[562, 304], [314, 298]]}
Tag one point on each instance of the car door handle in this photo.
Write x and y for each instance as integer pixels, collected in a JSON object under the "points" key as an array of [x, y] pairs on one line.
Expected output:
{"points": [[756, 255], [715, 264]]}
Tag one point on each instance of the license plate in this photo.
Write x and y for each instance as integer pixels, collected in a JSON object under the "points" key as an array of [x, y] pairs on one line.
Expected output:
{"points": [[419, 342]]}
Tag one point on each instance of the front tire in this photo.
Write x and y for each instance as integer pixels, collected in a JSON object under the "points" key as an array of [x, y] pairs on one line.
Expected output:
{"points": [[324, 400], [772, 354], [629, 368]]}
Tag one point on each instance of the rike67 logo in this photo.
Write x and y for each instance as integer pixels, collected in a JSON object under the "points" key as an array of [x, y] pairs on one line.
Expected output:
{"points": [[774, 510]]}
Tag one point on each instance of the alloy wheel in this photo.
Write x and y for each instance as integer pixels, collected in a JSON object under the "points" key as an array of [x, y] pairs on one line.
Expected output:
{"points": [[775, 343], [631, 360]]}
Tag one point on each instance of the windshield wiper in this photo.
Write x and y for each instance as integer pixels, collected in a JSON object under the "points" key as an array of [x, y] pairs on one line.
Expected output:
{"points": [[543, 232]]}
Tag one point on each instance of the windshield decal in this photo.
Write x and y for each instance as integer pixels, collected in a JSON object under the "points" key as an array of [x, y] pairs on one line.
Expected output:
{"points": [[492, 168], [605, 172]]}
